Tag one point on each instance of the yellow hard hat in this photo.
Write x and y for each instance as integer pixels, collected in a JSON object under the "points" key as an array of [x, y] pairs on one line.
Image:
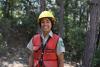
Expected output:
{"points": [[47, 14]]}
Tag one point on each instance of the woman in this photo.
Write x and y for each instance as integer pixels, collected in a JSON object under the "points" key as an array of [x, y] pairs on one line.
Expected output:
{"points": [[46, 47]]}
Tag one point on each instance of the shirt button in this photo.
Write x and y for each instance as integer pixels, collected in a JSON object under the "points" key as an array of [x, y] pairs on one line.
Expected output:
{"points": [[42, 53]]}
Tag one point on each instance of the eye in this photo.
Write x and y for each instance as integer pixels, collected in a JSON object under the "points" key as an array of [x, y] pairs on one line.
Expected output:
{"points": [[48, 21], [42, 21]]}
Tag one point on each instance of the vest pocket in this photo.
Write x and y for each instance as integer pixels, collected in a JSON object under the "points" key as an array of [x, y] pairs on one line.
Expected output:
{"points": [[36, 48], [50, 63]]}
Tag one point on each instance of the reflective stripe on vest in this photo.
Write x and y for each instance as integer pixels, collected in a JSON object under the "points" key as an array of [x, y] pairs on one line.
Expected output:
{"points": [[49, 55]]}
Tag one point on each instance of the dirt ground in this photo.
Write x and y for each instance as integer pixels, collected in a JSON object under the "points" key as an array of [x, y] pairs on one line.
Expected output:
{"points": [[18, 64]]}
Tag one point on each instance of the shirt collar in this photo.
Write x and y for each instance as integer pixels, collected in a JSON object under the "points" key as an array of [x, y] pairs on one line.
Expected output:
{"points": [[49, 34]]}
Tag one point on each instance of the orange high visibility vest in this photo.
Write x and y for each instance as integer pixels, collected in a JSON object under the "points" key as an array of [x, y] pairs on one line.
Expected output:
{"points": [[45, 56]]}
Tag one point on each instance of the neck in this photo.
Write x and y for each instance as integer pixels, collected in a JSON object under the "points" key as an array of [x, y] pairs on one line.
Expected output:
{"points": [[45, 34]]}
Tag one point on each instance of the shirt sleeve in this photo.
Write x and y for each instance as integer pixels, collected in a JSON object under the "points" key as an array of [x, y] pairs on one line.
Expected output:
{"points": [[30, 45], [60, 46]]}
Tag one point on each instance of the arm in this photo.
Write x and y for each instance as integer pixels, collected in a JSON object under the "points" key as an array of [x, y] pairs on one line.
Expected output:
{"points": [[30, 53], [30, 60], [61, 59], [60, 52]]}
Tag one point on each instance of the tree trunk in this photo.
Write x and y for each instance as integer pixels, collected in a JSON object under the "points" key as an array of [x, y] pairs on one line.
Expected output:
{"points": [[61, 17], [42, 8], [6, 9], [42, 5], [91, 35]]}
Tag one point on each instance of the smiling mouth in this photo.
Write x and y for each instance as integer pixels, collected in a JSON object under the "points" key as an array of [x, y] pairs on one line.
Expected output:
{"points": [[45, 27]]}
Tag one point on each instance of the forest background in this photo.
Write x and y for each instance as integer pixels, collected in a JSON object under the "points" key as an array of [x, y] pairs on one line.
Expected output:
{"points": [[77, 22]]}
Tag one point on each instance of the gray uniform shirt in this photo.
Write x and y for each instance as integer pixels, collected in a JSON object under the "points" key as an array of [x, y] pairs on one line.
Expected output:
{"points": [[60, 44]]}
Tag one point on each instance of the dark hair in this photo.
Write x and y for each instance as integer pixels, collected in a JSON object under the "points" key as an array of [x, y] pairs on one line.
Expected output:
{"points": [[52, 21]]}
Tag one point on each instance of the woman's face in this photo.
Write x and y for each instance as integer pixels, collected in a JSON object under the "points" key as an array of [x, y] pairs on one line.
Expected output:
{"points": [[46, 25]]}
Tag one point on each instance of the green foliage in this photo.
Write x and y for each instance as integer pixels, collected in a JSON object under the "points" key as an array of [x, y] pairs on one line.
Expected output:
{"points": [[96, 59], [3, 46], [21, 24], [75, 25]]}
